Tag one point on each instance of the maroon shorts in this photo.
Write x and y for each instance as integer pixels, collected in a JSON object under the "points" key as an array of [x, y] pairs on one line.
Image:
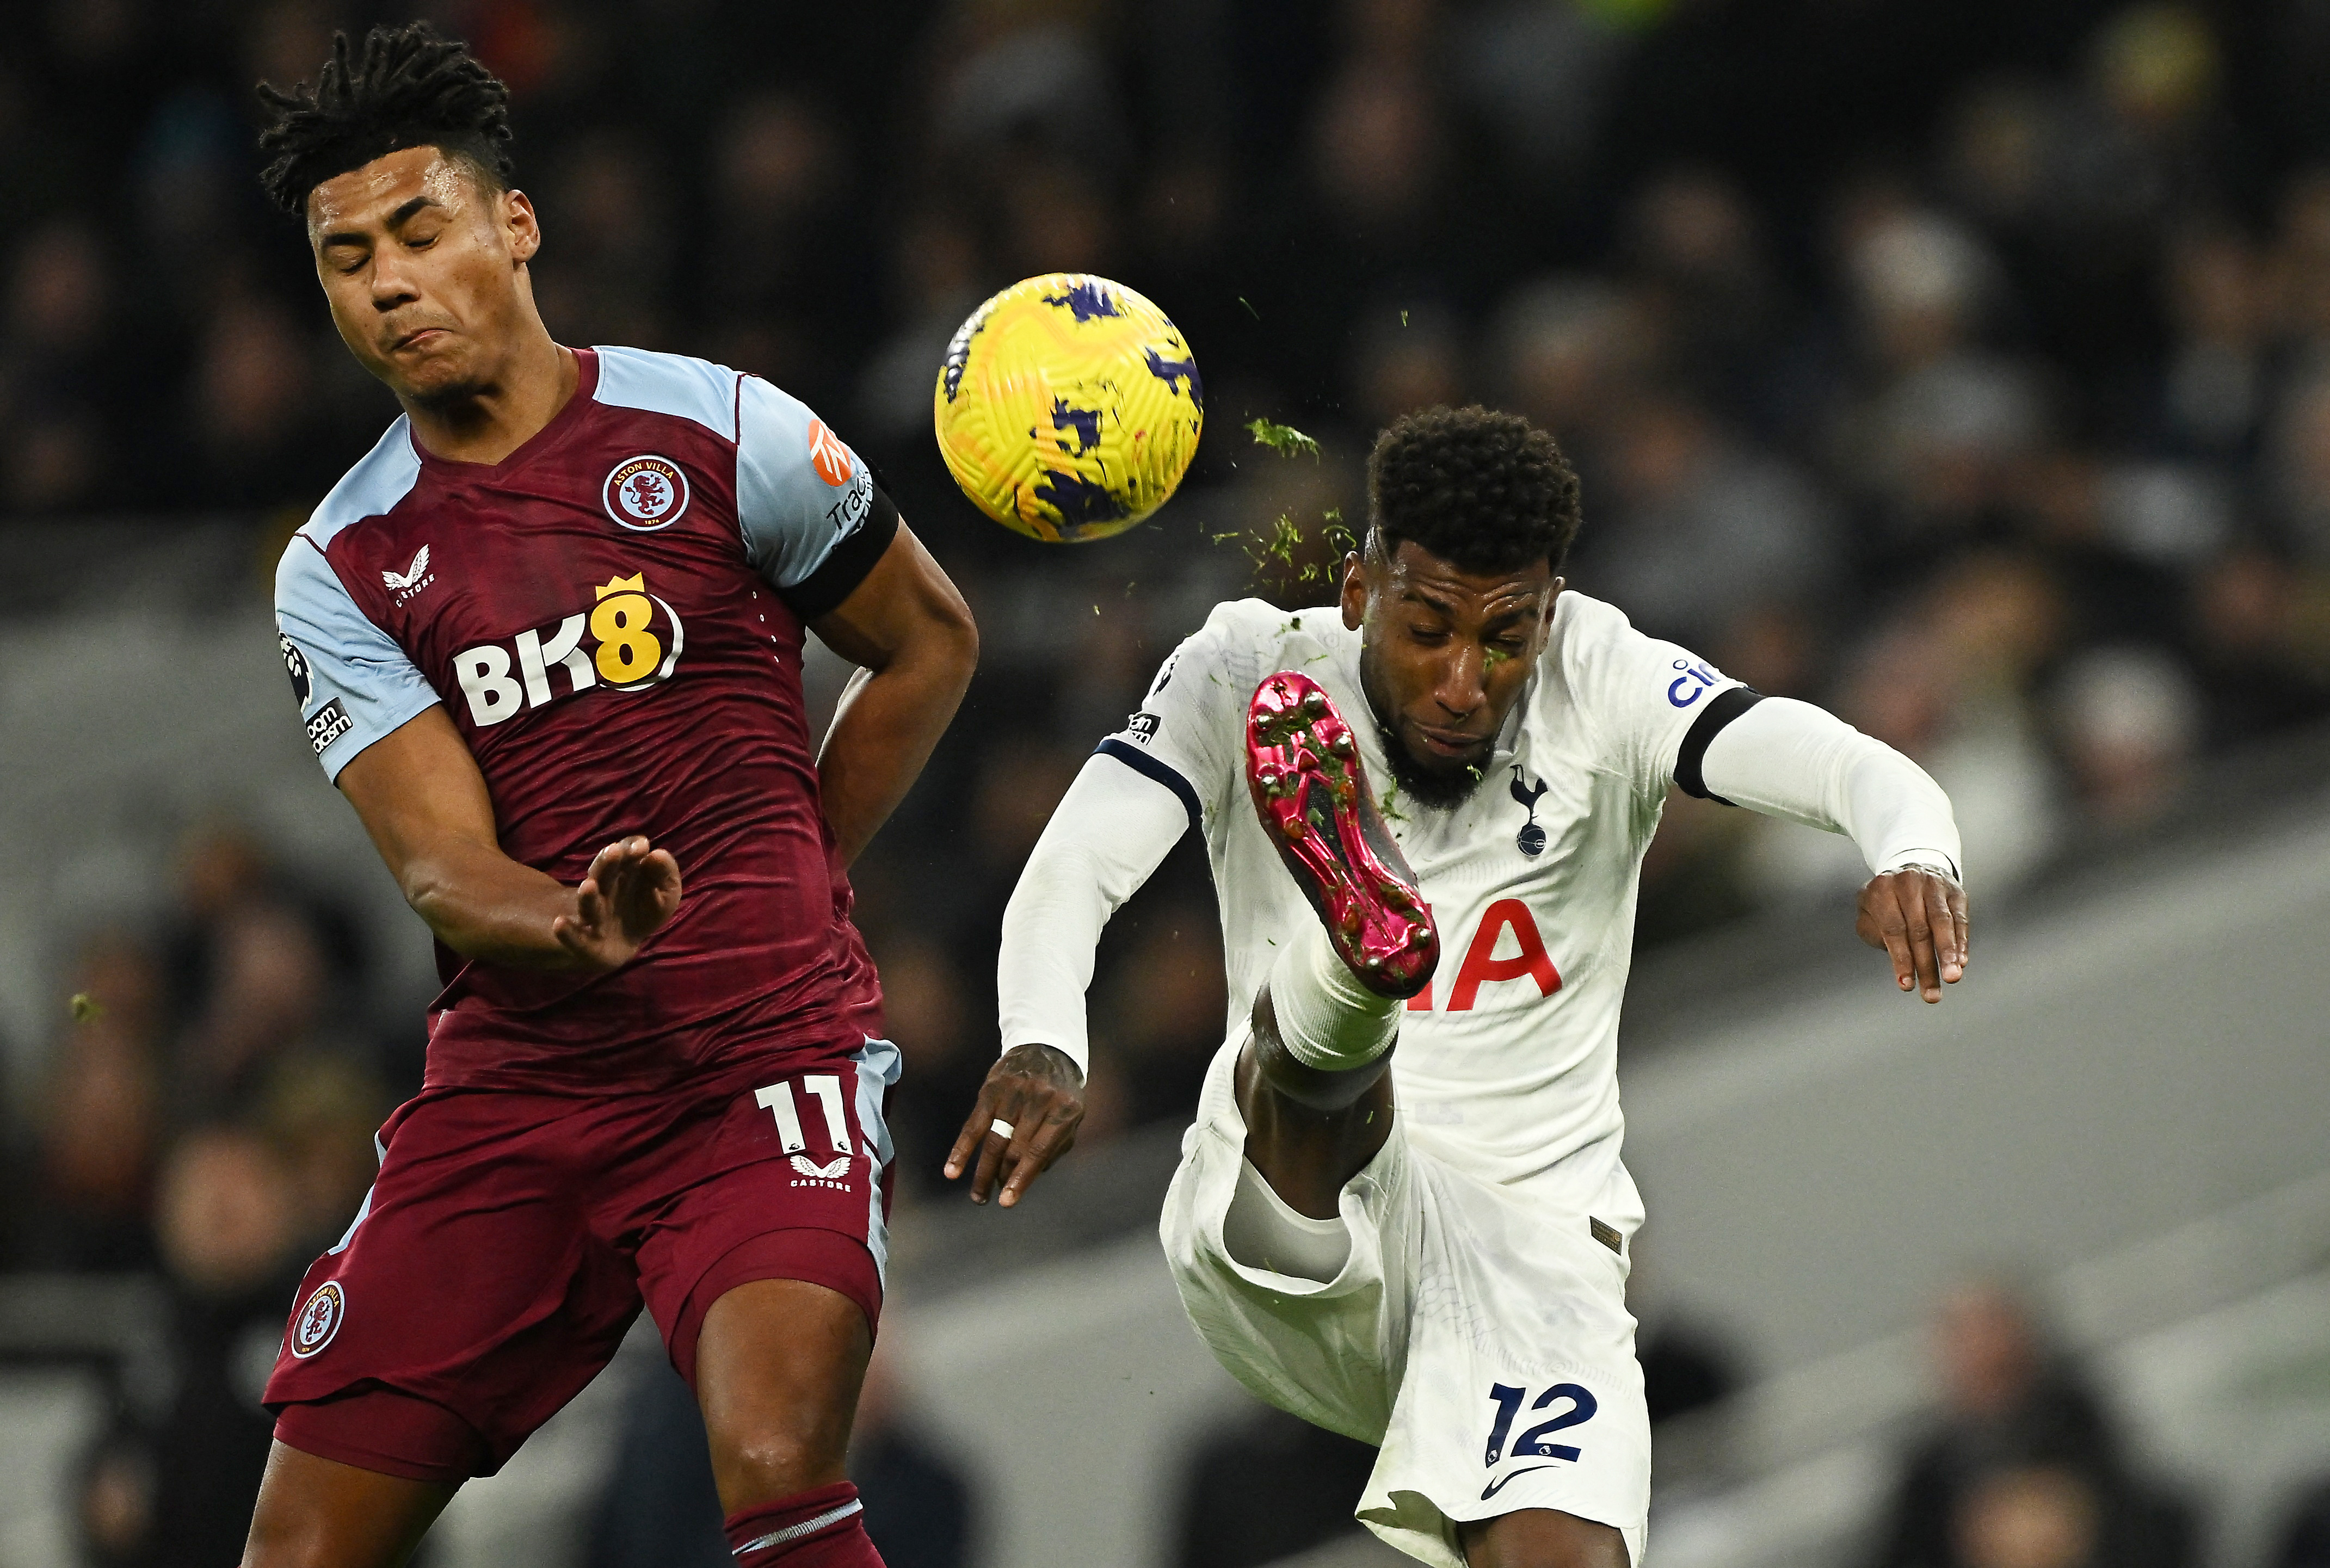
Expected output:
{"points": [[510, 1238]]}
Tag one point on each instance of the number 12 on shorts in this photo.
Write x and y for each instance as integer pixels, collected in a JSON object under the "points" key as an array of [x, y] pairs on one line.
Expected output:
{"points": [[822, 1087], [1531, 1443]]}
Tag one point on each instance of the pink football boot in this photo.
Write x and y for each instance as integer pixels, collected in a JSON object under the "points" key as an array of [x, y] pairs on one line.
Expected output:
{"points": [[1310, 789]]}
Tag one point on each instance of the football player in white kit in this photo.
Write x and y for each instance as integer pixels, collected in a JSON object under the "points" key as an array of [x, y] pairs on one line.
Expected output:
{"points": [[1429, 1250]]}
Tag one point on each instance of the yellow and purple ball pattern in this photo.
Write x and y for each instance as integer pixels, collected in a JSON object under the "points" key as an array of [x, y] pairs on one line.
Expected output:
{"points": [[1068, 408]]}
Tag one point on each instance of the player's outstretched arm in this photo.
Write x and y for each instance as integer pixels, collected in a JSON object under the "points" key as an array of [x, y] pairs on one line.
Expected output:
{"points": [[1109, 833], [913, 636], [1792, 759], [422, 799]]}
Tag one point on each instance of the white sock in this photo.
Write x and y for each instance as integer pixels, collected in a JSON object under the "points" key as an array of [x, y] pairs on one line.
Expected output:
{"points": [[1326, 1019], [1263, 1231]]}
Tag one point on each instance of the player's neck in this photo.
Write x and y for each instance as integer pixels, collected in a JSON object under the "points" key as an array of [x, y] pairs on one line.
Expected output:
{"points": [[491, 422]]}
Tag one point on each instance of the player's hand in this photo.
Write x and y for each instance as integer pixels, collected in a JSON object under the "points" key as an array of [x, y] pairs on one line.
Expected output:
{"points": [[631, 889], [1036, 1091], [1920, 918]]}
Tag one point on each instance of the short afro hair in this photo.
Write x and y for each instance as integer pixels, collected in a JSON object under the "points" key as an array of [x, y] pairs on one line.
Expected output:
{"points": [[407, 87], [1482, 490]]}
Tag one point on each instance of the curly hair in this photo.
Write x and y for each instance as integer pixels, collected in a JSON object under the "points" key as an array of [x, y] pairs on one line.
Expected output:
{"points": [[407, 87], [1484, 490]]}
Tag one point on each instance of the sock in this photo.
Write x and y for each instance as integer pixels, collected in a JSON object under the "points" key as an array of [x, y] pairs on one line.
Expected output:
{"points": [[822, 1529], [1326, 1019], [1263, 1231]]}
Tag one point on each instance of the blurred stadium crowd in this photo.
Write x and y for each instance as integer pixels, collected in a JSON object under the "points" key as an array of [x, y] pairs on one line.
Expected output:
{"points": [[1964, 366]]}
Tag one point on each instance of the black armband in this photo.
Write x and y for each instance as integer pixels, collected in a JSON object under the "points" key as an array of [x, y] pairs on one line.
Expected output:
{"points": [[839, 573], [1692, 759]]}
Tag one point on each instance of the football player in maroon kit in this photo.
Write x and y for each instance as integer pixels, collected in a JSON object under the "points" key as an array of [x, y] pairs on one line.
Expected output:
{"points": [[546, 638]]}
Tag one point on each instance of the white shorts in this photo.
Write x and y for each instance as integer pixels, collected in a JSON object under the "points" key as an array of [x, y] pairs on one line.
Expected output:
{"points": [[1481, 1341]]}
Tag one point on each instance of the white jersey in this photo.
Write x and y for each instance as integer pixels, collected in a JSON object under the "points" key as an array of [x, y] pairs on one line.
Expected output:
{"points": [[1507, 1065]]}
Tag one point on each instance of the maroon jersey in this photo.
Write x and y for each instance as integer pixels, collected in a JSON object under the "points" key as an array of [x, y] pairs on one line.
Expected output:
{"points": [[612, 615]]}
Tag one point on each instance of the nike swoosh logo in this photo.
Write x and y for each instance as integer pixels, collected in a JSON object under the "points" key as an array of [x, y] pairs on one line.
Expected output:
{"points": [[1493, 1487]]}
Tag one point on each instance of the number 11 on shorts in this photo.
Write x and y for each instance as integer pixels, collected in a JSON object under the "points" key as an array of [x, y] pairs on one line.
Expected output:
{"points": [[821, 1087]]}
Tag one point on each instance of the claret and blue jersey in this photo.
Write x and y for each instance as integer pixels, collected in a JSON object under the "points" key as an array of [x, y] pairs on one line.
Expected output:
{"points": [[613, 617]]}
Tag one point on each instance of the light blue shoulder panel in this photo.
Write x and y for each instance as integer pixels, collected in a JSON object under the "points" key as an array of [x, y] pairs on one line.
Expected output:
{"points": [[670, 384], [353, 683], [800, 489], [380, 478]]}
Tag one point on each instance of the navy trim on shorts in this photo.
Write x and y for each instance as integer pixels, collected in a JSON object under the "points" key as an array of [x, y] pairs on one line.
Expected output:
{"points": [[1148, 767], [1720, 711]]}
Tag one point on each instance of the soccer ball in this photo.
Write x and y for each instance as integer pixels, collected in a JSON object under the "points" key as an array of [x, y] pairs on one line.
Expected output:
{"points": [[1068, 408]]}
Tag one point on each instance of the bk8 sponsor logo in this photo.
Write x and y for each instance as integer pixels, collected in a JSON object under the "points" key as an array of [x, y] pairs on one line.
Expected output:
{"points": [[628, 639]]}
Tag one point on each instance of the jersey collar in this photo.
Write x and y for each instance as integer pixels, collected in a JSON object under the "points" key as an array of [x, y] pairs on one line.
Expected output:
{"points": [[561, 424]]}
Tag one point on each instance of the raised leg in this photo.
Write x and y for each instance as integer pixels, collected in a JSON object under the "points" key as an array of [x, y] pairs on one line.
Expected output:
{"points": [[1308, 1130], [1313, 1083]]}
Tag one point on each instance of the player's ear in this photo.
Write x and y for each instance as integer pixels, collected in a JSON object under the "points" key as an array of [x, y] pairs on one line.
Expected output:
{"points": [[1355, 590], [1544, 612], [518, 221]]}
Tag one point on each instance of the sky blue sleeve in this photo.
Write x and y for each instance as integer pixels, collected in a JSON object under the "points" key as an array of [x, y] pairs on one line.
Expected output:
{"points": [[353, 684], [814, 523]]}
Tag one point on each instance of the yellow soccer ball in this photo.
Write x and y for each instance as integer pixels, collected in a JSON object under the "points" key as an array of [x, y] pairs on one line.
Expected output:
{"points": [[1068, 408]]}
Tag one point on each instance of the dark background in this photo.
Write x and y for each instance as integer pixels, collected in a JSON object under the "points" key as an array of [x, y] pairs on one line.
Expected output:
{"points": [[1959, 365]]}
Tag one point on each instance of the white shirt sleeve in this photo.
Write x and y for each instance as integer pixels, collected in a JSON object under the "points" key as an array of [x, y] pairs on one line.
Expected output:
{"points": [[1172, 767], [1788, 758], [1667, 716], [1110, 832], [1187, 734], [1642, 694]]}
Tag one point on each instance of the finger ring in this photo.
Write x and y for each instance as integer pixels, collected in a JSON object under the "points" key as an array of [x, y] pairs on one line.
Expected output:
{"points": [[1002, 1130]]}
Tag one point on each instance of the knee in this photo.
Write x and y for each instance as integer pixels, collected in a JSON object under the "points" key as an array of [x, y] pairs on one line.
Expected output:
{"points": [[761, 1469], [778, 1366]]}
